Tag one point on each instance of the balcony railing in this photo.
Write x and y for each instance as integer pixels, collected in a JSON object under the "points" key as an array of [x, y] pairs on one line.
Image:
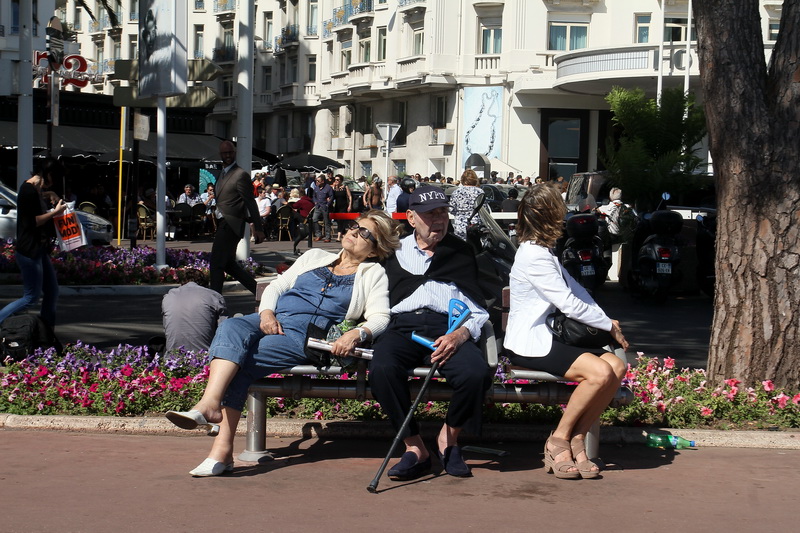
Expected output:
{"points": [[95, 27], [134, 15], [76, 26], [227, 53], [289, 35], [198, 54], [223, 6], [341, 14], [105, 21], [404, 3], [359, 7], [199, 5], [327, 28], [107, 66], [311, 31]]}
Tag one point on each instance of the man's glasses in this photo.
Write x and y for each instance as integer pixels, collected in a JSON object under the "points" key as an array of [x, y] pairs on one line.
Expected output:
{"points": [[363, 232]]}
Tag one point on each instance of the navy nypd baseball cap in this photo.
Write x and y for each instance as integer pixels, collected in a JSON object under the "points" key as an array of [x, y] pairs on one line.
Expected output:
{"points": [[427, 198]]}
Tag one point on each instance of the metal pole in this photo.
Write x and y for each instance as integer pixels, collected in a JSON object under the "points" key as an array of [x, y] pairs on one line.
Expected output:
{"points": [[660, 83], [244, 99], [25, 100], [161, 183], [122, 115], [688, 50]]}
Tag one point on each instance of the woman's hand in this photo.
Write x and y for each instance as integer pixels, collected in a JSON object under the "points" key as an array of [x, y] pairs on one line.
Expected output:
{"points": [[616, 332], [269, 324], [344, 345]]}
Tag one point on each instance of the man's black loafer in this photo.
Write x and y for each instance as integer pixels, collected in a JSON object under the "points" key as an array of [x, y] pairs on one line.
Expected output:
{"points": [[409, 467], [453, 462]]}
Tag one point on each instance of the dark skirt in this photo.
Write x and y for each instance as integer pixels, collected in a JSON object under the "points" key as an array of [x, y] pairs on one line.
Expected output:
{"points": [[557, 362]]}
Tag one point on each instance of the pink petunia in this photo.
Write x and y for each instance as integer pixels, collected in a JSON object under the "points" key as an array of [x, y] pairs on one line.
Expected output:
{"points": [[781, 399], [318, 415], [768, 385], [669, 363], [732, 382], [796, 399], [706, 411]]}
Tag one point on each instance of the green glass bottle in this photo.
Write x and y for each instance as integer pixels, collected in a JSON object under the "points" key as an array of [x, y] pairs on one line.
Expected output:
{"points": [[669, 441]]}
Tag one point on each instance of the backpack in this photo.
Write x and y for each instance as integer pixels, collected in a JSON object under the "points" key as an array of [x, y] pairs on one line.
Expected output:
{"points": [[21, 335], [626, 222]]}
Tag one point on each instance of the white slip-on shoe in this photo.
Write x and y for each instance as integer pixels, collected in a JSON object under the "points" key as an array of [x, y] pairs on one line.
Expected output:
{"points": [[192, 420], [209, 467]]}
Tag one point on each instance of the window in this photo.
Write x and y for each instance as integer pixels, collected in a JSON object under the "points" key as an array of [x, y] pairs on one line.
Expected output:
{"points": [[291, 75], [116, 42], [346, 57], [313, 9], [439, 112], [418, 42], [227, 86], [366, 168], [364, 50], [772, 32], [381, 38], [491, 40], [198, 41], [133, 45], [401, 117], [565, 142], [266, 80], [100, 53], [675, 30], [334, 123], [312, 68], [227, 36], [568, 36], [643, 28], [268, 28], [399, 166], [365, 119]]}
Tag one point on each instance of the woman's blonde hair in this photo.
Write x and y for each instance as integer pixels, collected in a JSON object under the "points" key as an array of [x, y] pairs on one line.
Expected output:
{"points": [[540, 217], [469, 178], [387, 232], [295, 194]]}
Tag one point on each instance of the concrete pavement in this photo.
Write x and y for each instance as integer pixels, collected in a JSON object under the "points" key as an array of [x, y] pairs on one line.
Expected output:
{"points": [[71, 482]]}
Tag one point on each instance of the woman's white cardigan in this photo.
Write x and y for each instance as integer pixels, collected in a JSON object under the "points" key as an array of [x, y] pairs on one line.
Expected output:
{"points": [[370, 298], [540, 285]]}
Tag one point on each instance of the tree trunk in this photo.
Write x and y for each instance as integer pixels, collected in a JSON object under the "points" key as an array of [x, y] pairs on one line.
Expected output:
{"points": [[753, 118]]}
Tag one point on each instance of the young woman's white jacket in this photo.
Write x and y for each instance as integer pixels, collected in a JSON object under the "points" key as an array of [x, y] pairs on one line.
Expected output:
{"points": [[540, 285], [370, 298]]}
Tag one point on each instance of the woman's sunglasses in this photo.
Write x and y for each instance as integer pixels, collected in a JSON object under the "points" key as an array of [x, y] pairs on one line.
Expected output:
{"points": [[363, 232]]}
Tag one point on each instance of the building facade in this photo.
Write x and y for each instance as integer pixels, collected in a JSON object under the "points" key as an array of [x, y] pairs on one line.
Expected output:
{"points": [[520, 82]]}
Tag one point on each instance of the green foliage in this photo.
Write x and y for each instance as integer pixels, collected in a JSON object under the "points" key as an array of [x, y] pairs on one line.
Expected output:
{"points": [[655, 151]]}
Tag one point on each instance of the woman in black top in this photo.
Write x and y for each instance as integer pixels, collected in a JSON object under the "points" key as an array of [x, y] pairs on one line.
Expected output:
{"points": [[35, 234], [342, 203]]}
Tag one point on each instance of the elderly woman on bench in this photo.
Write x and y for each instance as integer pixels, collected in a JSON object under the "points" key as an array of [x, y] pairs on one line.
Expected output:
{"points": [[321, 289]]}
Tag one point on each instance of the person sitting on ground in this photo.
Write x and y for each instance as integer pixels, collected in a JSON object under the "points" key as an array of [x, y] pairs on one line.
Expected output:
{"points": [[191, 313], [430, 268], [540, 286], [320, 290]]}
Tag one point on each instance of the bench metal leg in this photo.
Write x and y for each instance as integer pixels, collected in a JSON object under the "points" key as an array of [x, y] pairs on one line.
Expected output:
{"points": [[256, 444]]}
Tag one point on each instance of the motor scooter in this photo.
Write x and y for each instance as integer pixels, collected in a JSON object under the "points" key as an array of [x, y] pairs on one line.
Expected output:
{"points": [[705, 245], [583, 253], [655, 270]]}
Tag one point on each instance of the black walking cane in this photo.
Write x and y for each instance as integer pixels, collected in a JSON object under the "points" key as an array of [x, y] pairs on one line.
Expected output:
{"points": [[458, 314]]}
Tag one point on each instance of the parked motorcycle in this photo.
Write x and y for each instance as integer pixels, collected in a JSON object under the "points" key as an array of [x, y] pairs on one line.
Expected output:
{"points": [[494, 253], [705, 242], [583, 253], [655, 269]]}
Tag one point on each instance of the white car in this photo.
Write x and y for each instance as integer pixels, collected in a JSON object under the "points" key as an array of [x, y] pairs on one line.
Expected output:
{"points": [[98, 230]]}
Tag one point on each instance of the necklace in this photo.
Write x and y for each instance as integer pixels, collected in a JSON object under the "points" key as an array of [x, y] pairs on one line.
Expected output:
{"points": [[491, 98]]}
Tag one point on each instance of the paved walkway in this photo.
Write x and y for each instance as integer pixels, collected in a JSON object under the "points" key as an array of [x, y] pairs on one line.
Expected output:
{"points": [[70, 482]]}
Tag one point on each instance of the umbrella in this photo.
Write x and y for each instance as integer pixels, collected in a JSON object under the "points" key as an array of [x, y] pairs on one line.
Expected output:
{"points": [[309, 162], [206, 177]]}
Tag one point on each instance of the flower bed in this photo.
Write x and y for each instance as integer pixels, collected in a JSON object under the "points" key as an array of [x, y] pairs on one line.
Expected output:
{"points": [[128, 381], [106, 265]]}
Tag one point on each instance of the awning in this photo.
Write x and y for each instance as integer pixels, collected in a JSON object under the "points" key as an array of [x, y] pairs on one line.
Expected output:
{"points": [[77, 140]]}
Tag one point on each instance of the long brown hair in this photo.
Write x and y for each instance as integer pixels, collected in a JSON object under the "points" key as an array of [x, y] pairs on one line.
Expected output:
{"points": [[540, 217]]}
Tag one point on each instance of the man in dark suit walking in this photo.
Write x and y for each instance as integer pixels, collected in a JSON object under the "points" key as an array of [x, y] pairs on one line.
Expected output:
{"points": [[236, 206]]}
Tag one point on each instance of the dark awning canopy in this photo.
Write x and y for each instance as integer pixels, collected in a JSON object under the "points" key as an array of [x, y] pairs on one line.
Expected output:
{"points": [[71, 141]]}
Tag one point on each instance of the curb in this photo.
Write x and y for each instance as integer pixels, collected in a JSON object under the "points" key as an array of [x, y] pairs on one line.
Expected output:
{"points": [[340, 429]]}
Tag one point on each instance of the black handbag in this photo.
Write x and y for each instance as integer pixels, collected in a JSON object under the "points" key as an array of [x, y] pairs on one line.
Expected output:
{"points": [[570, 331]]}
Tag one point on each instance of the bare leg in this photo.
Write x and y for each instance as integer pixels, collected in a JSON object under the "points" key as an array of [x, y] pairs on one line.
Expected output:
{"points": [[416, 445], [599, 378], [222, 449], [448, 436], [221, 372]]}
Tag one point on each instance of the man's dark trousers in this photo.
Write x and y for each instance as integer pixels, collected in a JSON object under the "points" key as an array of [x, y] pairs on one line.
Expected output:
{"points": [[223, 259], [395, 354]]}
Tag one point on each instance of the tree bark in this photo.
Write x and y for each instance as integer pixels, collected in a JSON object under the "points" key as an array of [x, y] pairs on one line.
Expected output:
{"points": [[753, 118]]}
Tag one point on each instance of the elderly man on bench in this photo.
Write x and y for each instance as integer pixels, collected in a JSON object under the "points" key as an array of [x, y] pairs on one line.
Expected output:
{"points": [[429, 269]]}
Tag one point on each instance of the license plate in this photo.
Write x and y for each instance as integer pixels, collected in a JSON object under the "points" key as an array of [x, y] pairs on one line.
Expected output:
{"points": [[663, 268], [587, 270]]}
